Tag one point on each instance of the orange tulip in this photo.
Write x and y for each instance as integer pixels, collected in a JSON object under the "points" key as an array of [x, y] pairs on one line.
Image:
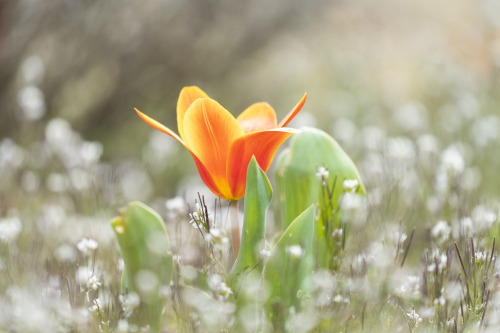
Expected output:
{"points": [[222, 145]]}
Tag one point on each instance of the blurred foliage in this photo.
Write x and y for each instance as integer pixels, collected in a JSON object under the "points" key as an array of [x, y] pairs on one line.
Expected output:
{"points": [[91, 62], [408, 89]]}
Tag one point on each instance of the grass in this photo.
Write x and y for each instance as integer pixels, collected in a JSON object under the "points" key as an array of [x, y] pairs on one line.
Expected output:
{"points": [[420, 255]]}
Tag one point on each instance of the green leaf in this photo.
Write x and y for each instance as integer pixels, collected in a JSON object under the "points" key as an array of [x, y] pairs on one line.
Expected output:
{"points": [[144, 243], [258, 194], [289, 267], [299, 187]]}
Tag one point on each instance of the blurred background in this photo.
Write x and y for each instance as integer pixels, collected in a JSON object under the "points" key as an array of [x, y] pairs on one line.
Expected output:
{"points": [[390, 67], [410, 89]]}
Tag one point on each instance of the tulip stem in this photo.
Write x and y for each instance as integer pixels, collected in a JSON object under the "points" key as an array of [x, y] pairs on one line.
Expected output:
{"points": [[235, 226]]}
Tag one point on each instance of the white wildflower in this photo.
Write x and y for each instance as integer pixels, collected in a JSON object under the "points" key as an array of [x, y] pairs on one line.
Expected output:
{"points": [[265, 253], [350, 185], [466, 224], [414, 317], [122, 326], [351, 202], [483, 217], [401, 150], [480, 256], [340, 299], [87, 245], [129, 302], [410, 286], [9, 229], [295, 251], [442, 262], [441, 231], [337, 233], [217, 237], [439, 301], [224, 291], [214, 282], [96, 306], [452, 161], [32, 102], [176, 207], [93, 283], [322, 175], [83, 274]]}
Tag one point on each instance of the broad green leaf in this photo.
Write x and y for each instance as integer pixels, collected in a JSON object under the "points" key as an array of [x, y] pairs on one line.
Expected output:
{"points": [[258, 194], [290, 267], [299, 187], [148, 263]]}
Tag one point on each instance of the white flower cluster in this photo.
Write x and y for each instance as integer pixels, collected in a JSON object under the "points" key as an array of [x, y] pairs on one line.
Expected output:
{"points": [[219, 287], [9, 229], [410, 286], [414, 317], [218, 238], [87, 245], [176, 208], [129, 302], [438, 261], [322, 175], [350, 185], [441, 231], [451, 168], [295, 251]]}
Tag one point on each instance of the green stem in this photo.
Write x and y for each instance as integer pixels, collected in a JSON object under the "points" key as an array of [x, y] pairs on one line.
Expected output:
{"points": [[235, 226]]}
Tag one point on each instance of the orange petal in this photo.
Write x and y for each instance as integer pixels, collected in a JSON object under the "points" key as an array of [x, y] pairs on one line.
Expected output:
{"points": [[209, 130], [263, 145], [187, 96], [202, 169], [258, 117], [288, 118], [153, 123], [207, 178]]}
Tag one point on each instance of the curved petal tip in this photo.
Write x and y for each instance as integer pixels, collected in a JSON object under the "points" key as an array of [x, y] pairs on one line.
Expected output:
{"points": [[288, 118]]}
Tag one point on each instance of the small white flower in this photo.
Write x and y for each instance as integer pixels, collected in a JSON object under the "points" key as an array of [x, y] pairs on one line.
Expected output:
{"points": [[467, 225], [83, 274], [122, 326], [175, 207], [129, 302], [120, 266], [96, 306], [214, 282], [9, 229], [338, 299], [414, 317], [337, 233], [265, 253], [442, 261], [322, 175], [87, 245], [351, 201], [480, 256], [441, 231], [65, 252], [483, 217], [195, 219], [452, 161], [439, 301], [350, 185], [93, 283], [295, 251], [224, 291]]}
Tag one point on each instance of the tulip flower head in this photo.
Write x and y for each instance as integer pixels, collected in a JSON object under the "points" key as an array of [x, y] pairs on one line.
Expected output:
{"points": [[222, 145]]}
